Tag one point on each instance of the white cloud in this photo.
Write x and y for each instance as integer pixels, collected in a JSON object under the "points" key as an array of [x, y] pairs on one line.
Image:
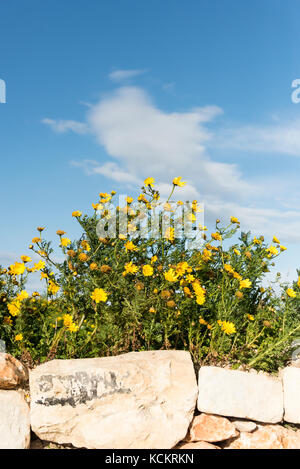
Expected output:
{"points": [[110, 170], [280, 137], [144, 140], [121, 75], [62, 126]]}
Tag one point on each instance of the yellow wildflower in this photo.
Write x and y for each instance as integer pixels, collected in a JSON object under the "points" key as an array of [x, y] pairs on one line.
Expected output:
{"points": [[178, 182], [85, 245], [290, 292], [245, 283], [65, 242], [228, 327], [99, 295], [76, 214], [216, 236], [147, 270], [171, 275], [17, 268], [130, 246], [149, 181], [169, 234], [18, 337], [26, 259]]}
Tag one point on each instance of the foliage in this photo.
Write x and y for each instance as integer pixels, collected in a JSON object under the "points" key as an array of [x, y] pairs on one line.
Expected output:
{"points": [[112, 295]]}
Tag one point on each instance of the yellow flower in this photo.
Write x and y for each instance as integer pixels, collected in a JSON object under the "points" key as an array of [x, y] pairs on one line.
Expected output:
{"points": [[206, 255], [130, 268], [83, 257], [93, 266], [239, 294], [272, 250], [276, 240], [153, 259], [169, 234], [36, 240], [290, 292], [97, 206], [147, 270], [190, 278], [216, 236], [60, 232], [85, 245], [14, 307], [256, 241], [99, 295], [130, 246], [250, 317], [142, 198], [149, 181], [234, 220], [171, 275], [26, 259], [68, 320], [237, 252], [7, 320], [228, 327], [182, 268], [178, 182], [245, 283], [191, 217], [73, 327], [18, 337], [76, 214], [65, 242], [152, 310], [228, 268], [202, 321], [17, 268], [200, 299], [282, 248], [39, 265], [22, 296], [129, 200], [53, 288]]}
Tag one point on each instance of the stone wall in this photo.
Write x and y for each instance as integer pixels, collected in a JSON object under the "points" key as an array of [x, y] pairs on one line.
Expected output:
{"points": [[146, 400]]}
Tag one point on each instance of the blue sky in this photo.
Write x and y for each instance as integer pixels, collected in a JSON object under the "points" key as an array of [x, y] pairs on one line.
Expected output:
{"points": [[101, 94]]}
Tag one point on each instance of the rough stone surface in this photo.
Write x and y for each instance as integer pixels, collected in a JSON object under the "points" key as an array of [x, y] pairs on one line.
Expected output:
{"points": [[198, 445], [12, 373], [135, 400], [291, 394], [235, 393], [267, 437], [211, 428], [14, 420], [244, 425]]}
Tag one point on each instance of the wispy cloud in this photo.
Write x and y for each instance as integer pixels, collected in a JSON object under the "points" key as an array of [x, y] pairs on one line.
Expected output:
{"points": [[62, 126], [110, 170], [280, 137], [144, 140], [120, 75]]}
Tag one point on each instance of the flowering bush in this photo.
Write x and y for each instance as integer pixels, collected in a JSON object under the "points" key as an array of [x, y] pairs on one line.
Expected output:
{"points": [[116, 294]]}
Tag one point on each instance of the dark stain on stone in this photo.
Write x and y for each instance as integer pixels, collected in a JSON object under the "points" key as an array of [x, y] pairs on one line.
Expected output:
{"points": [[79, 388]]}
